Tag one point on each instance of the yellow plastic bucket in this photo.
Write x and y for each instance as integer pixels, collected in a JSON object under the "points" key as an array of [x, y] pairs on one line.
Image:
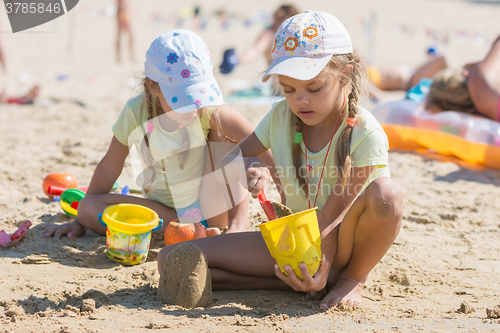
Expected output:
{"points": [[294, 239], [128, 232]]}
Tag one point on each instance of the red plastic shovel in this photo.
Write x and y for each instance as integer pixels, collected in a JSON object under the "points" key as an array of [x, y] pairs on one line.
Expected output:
{"points": [[6, 240], [58, 190], [266, 206]]}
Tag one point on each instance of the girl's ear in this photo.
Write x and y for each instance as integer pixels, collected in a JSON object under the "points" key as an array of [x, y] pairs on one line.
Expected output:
{"points": [[345, 74]]}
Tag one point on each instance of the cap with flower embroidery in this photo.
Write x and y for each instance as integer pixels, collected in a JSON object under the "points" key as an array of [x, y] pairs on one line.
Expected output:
{"points": [[305, 43], [180, 62]]}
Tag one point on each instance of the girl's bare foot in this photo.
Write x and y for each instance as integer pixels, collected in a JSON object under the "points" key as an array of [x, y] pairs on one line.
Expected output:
{"points": [[317, 295], [347, 292]]}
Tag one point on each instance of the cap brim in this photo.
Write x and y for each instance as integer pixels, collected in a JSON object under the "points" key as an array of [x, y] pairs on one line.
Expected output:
{"points": [[192, 97], [300, 68]]}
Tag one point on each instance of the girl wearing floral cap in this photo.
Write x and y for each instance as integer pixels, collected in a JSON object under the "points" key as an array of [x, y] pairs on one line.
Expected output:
{"points": [[178, 128], [330, 153]]}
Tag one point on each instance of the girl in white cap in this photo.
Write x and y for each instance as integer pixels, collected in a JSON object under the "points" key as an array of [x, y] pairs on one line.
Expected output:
{"points": [[330, 153], [169, 124]]}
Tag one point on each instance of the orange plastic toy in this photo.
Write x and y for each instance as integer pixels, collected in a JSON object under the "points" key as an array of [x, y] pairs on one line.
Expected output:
{"points": [[64, 179], [189, 229]]}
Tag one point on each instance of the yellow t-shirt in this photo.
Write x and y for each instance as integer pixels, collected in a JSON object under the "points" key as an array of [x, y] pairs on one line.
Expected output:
{"points": [[369, 147], [174, 187]]}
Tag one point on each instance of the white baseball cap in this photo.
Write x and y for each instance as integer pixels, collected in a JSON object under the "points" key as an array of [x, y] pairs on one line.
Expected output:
{"points": [[305, 43], [180, 62]]}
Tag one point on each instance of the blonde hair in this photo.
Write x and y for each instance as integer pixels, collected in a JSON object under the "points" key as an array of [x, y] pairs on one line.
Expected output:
{"points": [[153, 104], [449, 92], [356, 81]]}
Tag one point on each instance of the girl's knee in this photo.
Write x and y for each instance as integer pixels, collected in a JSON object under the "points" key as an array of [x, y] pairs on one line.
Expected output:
{"points": [[85, 202], [90, 201], [85, 208], [162, 255], [386, 198], [90, 207]]}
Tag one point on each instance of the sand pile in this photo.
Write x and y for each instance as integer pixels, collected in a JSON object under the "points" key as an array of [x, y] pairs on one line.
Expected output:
{"points": [[447, 252], [185, 279]]}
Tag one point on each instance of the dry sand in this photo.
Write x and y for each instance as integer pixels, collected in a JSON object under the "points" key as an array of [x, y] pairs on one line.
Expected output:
{"points": [[185, 278], [442, 269]]}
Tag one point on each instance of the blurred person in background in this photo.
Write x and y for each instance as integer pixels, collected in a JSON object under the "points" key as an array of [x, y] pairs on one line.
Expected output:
{"points": [[402, 77], [24, 99], [124, 28], [473, 89], [263, 45], [28, 98]]}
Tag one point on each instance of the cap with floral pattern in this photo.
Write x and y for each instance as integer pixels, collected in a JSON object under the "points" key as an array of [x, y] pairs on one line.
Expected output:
{"points": [[180, 62], [305, 43]]}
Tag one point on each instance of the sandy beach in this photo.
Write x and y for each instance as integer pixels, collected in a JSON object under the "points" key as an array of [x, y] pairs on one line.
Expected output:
{"points": [[441, 274]]}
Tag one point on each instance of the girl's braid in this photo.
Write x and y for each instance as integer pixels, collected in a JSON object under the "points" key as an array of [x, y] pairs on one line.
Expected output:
{"points": [[342, 151]]}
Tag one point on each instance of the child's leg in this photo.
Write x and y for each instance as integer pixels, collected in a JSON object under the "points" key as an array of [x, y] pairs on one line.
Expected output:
{"points": [[130, 42], [236, 261], [90, 207], [222, 205], [120, 29], [26, 99], [364, 236]]}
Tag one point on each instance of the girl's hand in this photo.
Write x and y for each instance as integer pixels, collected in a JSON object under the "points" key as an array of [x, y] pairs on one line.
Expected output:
{"points": [[309, 284], [256, 176], [71, 229]]}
